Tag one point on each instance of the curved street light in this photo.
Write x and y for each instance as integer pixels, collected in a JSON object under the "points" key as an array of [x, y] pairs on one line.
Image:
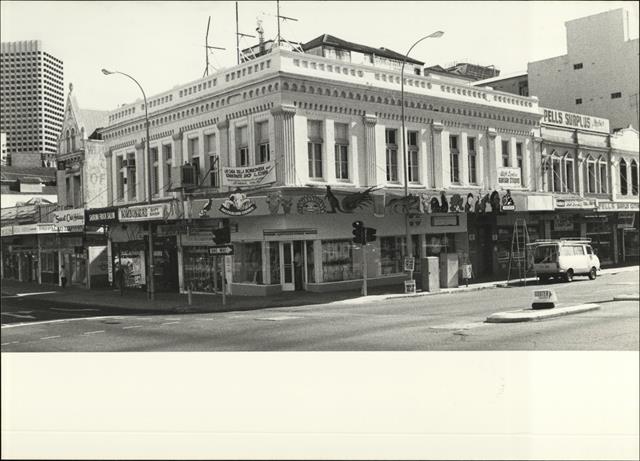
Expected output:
{"points": [[409, 245], [147, 166]]}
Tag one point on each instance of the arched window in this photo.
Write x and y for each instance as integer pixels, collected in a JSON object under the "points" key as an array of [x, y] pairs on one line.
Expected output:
{"points": [[67, 142], [634, 177], [603, 182], [73, 139], [555, 173], [624, 188], [569, 172]]}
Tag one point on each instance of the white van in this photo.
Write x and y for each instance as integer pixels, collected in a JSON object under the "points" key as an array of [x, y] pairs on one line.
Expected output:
{"points": [[564, 258]]}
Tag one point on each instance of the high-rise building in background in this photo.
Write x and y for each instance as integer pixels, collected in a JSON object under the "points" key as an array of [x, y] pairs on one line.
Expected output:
{"points": [[32, 109]]}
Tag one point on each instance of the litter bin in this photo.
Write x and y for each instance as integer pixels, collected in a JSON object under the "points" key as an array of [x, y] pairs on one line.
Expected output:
{"points": [[430, 276]]}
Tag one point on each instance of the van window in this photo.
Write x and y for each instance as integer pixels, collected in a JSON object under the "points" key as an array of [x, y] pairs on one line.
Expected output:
{"points": [[589, 250], [578, 250], [545, 254], [566, 251]]}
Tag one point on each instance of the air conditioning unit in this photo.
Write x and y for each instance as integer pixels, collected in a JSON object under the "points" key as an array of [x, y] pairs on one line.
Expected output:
{"points": [[184, 176]]}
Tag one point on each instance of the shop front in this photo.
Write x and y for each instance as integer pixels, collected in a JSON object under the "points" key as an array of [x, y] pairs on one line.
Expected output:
{"points": [[622, 225]]}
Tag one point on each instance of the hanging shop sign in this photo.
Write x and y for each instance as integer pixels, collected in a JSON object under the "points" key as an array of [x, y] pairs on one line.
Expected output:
{"points": [[509, 177], [142, 213], [571, 120], [244, 176], [101, 216], [574, 204], [618, 206], [69, 218]]}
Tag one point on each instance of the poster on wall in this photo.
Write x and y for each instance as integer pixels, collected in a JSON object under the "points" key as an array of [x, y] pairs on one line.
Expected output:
{"points": [[243, 176], [509, 177]]}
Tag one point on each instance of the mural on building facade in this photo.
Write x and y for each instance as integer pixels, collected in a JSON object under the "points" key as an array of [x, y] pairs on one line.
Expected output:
{"points": [[352, 202]]}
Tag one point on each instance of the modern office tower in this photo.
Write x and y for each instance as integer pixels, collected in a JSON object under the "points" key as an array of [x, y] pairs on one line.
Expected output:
{"points": [[32, 108]]}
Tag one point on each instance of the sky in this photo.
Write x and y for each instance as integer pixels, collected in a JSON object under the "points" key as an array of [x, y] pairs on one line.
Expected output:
{"points": [[161, 44]]}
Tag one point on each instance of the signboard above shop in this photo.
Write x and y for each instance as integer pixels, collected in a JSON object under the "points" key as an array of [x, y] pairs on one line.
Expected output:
{"points": [[509, 177], [575, 121], [574, 204], [142, 213], [69, 218], [618, 206]]}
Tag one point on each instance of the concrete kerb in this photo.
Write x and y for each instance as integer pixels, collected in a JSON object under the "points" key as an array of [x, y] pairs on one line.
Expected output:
{"points": [[530, 315], [627, 297]]}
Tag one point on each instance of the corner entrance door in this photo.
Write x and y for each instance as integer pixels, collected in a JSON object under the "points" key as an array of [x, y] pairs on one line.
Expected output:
{"points": [[287, 274]]}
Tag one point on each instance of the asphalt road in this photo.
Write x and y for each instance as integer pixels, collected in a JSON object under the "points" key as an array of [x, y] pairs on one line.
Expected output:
{"points": [[434, 322]]}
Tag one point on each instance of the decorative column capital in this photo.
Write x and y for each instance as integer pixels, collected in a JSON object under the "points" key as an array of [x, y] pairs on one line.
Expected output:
{"points": [[437, 126], [370, 119], [108, 153], [491, 132], [139, 145], [284, 109], [223, 124], [177, 136]]}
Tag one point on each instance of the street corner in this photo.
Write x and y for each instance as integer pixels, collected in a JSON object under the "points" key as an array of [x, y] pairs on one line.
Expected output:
{"points": [[530, 314]]}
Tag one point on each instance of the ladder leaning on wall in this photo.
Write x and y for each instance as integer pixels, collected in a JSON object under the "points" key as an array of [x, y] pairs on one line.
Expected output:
{"points": [[520, 246]]}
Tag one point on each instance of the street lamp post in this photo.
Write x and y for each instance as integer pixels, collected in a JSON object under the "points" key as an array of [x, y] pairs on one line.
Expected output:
{"points": [[409, 245], [151, 283]]}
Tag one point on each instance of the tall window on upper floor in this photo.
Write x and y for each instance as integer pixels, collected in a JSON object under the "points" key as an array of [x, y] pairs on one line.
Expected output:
{"points": [[454, 156], [212, 153], [472, 156], [132, 183], [155, 168], [120, 178], [67, 142], [624, 187], [591, 176], [520, 161], [168, 164], [242, 146], [262, 141], [314, 148], [69, 191], [505, 154], [569, 173], [555, 172], [634, 177], [602, 169], [73, 140], [391, 154], [77, 191], [193, 146], [412, 156], [342, 150]]}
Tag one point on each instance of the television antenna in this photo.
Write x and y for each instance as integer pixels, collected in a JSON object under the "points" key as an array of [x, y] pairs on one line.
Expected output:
{"points": [[238, 35], [208, 49]]}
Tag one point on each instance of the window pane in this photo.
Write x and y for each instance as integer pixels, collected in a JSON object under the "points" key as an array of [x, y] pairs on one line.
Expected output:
{"points": [[340, 261], [314, 129], [341, 132], [247, 262]]}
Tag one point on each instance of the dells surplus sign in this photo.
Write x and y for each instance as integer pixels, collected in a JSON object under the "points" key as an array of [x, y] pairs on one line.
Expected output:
{"points": [[571, 120]]}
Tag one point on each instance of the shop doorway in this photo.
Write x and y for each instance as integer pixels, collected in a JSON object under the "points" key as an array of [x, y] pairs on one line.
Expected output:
{"points": [[293, 263]]}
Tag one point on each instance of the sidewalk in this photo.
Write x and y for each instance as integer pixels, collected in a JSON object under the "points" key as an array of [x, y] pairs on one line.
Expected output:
{"points": [[175, 302]]}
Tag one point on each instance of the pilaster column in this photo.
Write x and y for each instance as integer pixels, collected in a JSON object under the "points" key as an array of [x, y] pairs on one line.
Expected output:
{"points": [[527, 181], [580, 161], [285, 143], [371, 176], [108, 155], [464, 159], [537, 172], [493, 159], [141, 166], [615, 177], [223, 140], [513, 157], [424, 153], [480, 160], [439, 178], [176, 139]]}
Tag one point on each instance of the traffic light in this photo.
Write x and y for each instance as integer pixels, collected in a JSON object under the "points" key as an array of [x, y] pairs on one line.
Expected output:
{"points": [[222, 235], [369, 234], [358, 232]]}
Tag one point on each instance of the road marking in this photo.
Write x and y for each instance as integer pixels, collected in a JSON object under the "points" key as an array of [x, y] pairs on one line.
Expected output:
{"points": [[457, 326], [278, 318], [12, 342], [132, 326], [18, 316], [72, 309], [169, 323], [45, 322], [51, 337], [92, 332], [34, 294]]}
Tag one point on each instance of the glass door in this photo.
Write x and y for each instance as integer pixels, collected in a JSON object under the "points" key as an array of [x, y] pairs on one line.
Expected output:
{"points": [[287, 268]]}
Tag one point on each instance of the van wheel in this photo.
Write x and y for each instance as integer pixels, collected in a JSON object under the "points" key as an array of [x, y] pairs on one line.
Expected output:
{"points": [[592, 273], [569, 276]]}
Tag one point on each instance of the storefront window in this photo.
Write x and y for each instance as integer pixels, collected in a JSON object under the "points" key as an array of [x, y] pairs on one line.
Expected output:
{"points": [[311, 274], [340, 261], [274, 262], [391, 253], [440, 244], [133, 267], [601, 239], [247, 263], [202, 271]]}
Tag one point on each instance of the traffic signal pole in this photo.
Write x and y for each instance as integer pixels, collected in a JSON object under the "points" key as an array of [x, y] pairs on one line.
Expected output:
{"points": [[364, 269]]}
